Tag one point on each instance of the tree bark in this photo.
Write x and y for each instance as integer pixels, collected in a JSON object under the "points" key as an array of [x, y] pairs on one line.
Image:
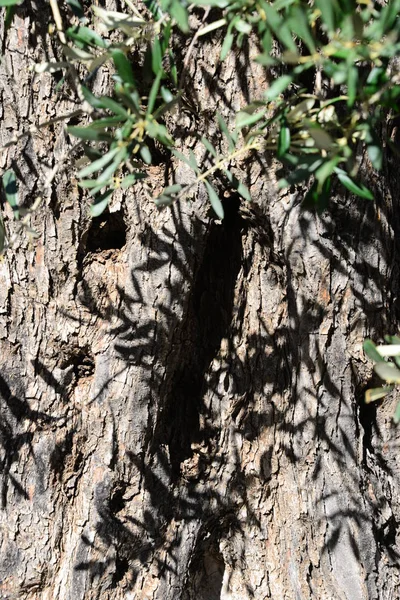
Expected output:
{"points": [[182, 411]]}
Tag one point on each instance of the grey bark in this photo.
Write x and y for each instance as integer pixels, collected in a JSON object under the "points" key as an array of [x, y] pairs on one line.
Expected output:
{"points": [[182, 409]]}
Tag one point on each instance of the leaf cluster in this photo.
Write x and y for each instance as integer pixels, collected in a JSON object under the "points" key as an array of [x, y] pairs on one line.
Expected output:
{"points": [[386, 360], [338, 84]]}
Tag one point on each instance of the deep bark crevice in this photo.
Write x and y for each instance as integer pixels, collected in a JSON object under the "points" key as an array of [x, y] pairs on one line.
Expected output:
{"points": [[207, 320]]}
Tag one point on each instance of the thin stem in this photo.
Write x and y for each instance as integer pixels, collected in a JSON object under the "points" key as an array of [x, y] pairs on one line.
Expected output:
{"points": [[58, 21], [221, 161]]}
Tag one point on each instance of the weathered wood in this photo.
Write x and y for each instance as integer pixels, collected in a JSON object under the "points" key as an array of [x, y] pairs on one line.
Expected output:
{"points": [[182, 407]]}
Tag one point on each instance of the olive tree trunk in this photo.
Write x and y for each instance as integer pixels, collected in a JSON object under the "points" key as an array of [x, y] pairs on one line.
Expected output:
{"points": [[182, 410]]}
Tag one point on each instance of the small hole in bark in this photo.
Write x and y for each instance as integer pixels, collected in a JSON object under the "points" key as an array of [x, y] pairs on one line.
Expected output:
{"points": [[82, 361], [117, 501], [207, 576], [121, 568], [107, 232]]}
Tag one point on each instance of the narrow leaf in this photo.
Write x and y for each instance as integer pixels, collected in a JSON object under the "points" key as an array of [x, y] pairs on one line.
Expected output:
{"points": [[153, 94], [123, 66], [86, 133], [388, 372], [283, 140], [278, 87], [173, 189], [100, 203], [146, 154], [115, 107], [376, 394], [391, 350], [375, 156], [371, 351], [245, 119], [215, 201], [359, 190], [98, 164], [209, 147], [226, 46], [11, 191], [131, 179], [396, 416], [86, 35]]}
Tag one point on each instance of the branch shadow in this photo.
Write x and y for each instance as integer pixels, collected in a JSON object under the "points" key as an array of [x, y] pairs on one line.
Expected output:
{"points": [[181, 465]]}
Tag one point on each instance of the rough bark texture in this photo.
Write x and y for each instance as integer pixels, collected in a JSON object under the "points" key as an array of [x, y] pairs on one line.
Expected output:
{"points": [[182, 409]]}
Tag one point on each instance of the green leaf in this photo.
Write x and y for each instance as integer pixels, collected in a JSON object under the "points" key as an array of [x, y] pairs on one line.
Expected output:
{"points": [[98, 164], [179, 13], [396, 416], [245, 119], [278, 87], [86, 36], [237, 185], [377, 393], [224, 128], [153, 94], [109, 171], [211, 27], [90, 184], [193, 162], [227, 45], [358, 190], [77, 9], [317, 197], [131, 179], [209, 147], [10, 2], [11, 191], [173, 189], [243, 190], [123, 66], [117, 20], [283, 140], [299, 25], [115, 107], [156, 56], [106, 122], [388, 372], [279, 26], [181, 157], [159, 132], [88, 133], [155, 9], [215, 201], [164, 200], [76, 53], [375, 156], [8, 19], [146, 154], [392, 339], [390, 350], [327, 14], [166, 95], [100, 203], [243, 27], [371, 351], [352, 80], [322, 139], [91, 98], [326, 169], [216, 3]]}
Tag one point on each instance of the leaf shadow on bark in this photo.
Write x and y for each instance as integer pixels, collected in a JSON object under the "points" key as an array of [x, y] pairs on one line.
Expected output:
{"points": [[16, 440], [188, 445]]}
